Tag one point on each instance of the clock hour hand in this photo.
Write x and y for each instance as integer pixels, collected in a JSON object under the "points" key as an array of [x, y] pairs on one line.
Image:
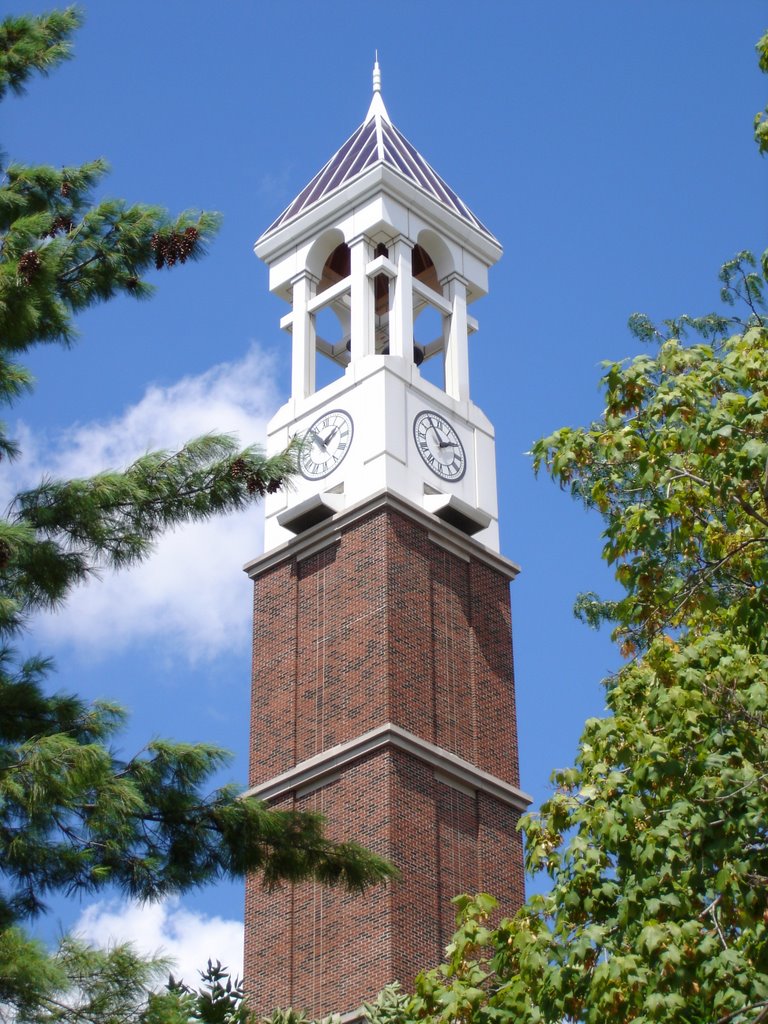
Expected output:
{"points": [[319, 439], [325, 442], [448, 444]]}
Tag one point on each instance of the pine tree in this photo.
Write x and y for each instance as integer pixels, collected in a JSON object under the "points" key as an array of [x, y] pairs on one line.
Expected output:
{"points": [[74, 817]]}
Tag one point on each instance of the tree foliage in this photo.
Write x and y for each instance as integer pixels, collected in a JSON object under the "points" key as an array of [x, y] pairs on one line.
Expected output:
{"points": [[83, 985], [655, 842], [30, 45], [78, 984], [74, 816], [761, 118]]}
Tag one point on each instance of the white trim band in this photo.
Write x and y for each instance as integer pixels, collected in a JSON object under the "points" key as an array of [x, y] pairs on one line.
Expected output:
{"points": [[441, 533], [448, 765]]}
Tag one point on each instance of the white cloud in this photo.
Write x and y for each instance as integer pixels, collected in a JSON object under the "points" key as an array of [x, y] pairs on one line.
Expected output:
{"points": [[191, 595], [190, 939]]}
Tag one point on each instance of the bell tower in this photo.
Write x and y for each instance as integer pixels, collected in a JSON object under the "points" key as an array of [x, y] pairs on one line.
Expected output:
{"points": [[383, 693]]}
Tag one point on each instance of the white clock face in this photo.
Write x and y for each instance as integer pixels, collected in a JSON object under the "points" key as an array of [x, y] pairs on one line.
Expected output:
{"points": [[325, 444], [439, 445]]}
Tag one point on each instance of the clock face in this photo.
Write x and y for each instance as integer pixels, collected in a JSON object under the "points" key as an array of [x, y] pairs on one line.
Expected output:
{"points": [[439, 445], [325, 444]]}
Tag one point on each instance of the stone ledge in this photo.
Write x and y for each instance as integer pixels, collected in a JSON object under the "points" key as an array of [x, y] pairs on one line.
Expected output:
{"points": [[439, 532], [446, 764]]}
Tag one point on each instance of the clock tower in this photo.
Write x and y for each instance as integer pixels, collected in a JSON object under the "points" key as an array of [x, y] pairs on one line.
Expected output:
{"points": [[383, 693]]}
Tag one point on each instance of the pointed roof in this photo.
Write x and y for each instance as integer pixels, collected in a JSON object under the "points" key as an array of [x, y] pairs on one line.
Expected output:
{"points": [[375, 142]]}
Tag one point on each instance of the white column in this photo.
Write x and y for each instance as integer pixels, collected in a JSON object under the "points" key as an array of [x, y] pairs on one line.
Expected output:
{"points": [[303, 332], [362, 299], [401, 317], [456, 341]]}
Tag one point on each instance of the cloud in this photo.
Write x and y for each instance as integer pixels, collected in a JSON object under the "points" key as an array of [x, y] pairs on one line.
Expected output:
{"points": [[190, 939], [191, 594]]}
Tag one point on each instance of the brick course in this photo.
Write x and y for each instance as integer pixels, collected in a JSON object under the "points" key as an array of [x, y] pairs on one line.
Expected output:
{"points": [[383, 626]]}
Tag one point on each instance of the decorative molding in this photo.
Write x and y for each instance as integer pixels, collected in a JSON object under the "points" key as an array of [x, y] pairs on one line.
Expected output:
{"points": [[305, 275], [318, 783], [463, 774], [441, 533], [454, 275], [447, 544], [453, 783], [327, 541], [352, 1016], [381, 265]]}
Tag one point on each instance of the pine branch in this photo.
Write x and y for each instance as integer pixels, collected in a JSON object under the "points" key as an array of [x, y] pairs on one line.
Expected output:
{"points": [[62, 531], [34, 44]]}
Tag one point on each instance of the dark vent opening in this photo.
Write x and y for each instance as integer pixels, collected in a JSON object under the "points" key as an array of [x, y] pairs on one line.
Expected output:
{"points": [[451, 515]]}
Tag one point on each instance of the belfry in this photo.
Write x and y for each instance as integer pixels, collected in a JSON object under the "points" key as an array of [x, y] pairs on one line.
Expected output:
{"points": [[383, 692]]}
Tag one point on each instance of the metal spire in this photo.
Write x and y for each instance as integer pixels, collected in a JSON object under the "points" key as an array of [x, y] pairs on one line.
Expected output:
{"points": [[377, 103]]}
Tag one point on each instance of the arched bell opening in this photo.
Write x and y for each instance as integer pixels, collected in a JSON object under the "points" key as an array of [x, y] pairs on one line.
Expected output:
{"points": [[322, 251], [423, 269], [382, 304], [439, 254], [383, 287], [427, 318], [332, 321], [335, 268]]}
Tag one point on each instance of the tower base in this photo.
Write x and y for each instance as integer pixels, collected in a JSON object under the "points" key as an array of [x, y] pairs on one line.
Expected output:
{"points": [[383, 699]]}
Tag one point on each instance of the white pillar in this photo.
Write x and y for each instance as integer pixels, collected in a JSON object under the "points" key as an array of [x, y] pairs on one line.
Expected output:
{"points": [[362, 322], [303, 335], [401, 317], [456, 341]]}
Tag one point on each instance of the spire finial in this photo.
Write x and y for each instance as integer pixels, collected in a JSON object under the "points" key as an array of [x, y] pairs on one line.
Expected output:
{"points": [[377, 107]]}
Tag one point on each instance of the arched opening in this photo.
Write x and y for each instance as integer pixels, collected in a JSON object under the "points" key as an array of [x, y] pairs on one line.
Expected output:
{"points": [[322, 249], [423, 268], [332, 321], [382, 302], [335, 268], [427, 319], [440, 255]]}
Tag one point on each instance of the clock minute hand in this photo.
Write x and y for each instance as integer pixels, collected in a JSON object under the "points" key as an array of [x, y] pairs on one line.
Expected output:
{"points": [[325, 442]]}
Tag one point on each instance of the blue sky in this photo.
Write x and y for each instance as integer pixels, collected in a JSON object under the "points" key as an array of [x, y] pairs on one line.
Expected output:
{"points": [[608, 145]]}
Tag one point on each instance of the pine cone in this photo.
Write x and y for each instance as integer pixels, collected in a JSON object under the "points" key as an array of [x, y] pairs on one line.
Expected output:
{"points": [[29, 266], [65, 189], [5, 554], [132, 284], [187, 243], [174, 247], [60, 223], [237, 469]]}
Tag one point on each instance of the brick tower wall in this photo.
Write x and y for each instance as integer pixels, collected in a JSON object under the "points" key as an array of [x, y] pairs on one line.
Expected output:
{"points": [[383, 626], [326, 951]]}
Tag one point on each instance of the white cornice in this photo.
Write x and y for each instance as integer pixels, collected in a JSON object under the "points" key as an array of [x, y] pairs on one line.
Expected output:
{"points": [[445, 764], [329, 531]]}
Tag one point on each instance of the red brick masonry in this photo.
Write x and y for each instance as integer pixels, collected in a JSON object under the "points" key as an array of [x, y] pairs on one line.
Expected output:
{"points": [[383, 626]]}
